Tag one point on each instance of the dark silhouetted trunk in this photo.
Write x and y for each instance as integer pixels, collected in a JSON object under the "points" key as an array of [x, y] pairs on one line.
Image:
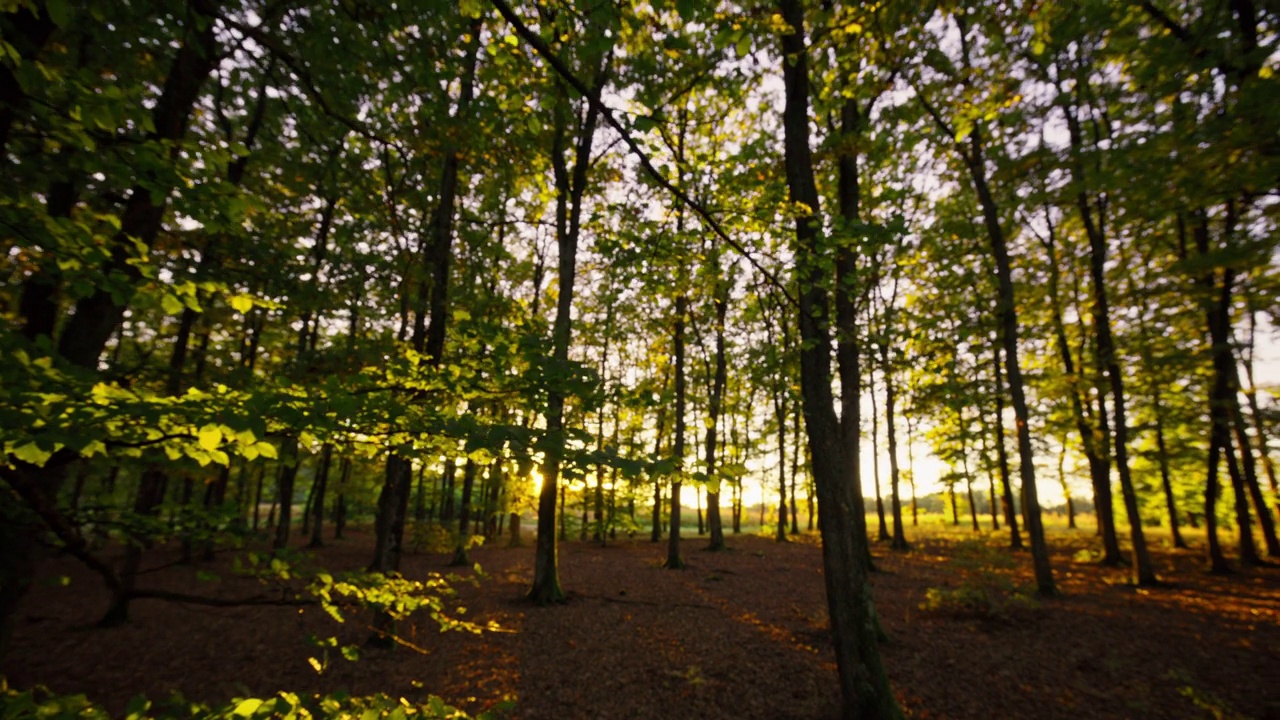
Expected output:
{"points": [[464, 516], [317, 492], [674, 561], [714, 404], [864, 686], [1099, 464], [570, 190]]}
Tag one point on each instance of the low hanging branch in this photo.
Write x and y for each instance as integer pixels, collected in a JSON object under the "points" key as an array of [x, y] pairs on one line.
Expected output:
{"points": [[606, 112]]}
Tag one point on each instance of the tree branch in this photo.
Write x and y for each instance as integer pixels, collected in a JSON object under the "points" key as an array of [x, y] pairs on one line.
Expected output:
{"points": [[606, 112]]}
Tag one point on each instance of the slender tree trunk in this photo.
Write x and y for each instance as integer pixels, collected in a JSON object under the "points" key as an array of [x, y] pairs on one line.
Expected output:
{"points": [[1250, 472], [429, 331], [714, 408], [911, 473], [1217, 559], [1099, 465], [968, 484], [1162, 457], [340, 503], [674, 561], [570, 189], [284, 492], [899, 534], [1013, 369], [151, 491], [318, 489], [447, 494], [1002, 456], [1066, 488], [464, 516], [780, 415], [1251, 395], [795, 467], [882, 534], [848, 334], [991, 481], [1221, 396], [1143, 570]]}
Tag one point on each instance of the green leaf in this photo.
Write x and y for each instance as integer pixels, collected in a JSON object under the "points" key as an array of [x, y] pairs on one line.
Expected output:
{"points": [[171, 304], [471, 8], [59, 12], [247, 707]]}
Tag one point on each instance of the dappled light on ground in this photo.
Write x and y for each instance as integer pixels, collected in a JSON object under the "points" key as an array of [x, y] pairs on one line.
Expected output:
{"points": [[739, 634]]}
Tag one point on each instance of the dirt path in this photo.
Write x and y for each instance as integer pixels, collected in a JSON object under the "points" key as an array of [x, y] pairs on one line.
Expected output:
{"points": [[740, 634]]}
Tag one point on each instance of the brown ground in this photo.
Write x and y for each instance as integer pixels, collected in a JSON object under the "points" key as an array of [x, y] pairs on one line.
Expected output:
{"points": [[739, 634]]}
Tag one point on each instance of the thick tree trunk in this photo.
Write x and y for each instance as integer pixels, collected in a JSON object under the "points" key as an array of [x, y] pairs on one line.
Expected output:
{"points": [[863, 684]]}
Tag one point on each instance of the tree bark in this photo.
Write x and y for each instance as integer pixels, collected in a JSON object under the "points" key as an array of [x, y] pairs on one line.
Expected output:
{"points": [[570, 190], [863, 684], [674, 561], [714, 404]]}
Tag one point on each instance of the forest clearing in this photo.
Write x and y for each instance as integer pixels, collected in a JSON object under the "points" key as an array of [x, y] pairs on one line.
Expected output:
{"points": [[738, 634]]}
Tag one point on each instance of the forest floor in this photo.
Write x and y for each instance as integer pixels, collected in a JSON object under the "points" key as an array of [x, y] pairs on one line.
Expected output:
{"points": [[738, 634]]}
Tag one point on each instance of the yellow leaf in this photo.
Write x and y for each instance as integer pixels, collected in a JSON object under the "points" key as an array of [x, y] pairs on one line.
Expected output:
{"points": [[241, 303], [209, 437]]}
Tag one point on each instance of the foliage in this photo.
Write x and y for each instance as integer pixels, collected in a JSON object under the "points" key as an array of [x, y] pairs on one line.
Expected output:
{"points": [[40, 703]]}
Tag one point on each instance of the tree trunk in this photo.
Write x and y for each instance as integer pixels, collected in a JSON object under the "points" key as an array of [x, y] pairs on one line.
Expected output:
{"points": [[795, 467], [864, 686], [428, 339], [1013, 370], [1002, 456], [464, 516], [674, 561], [714, 406], [882, 534], [1099, 464], [899, 534], [317, 491], [284, 489], [570, 190], [1251, 395], [1143, 571], [151, 491], [780, 415]]}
